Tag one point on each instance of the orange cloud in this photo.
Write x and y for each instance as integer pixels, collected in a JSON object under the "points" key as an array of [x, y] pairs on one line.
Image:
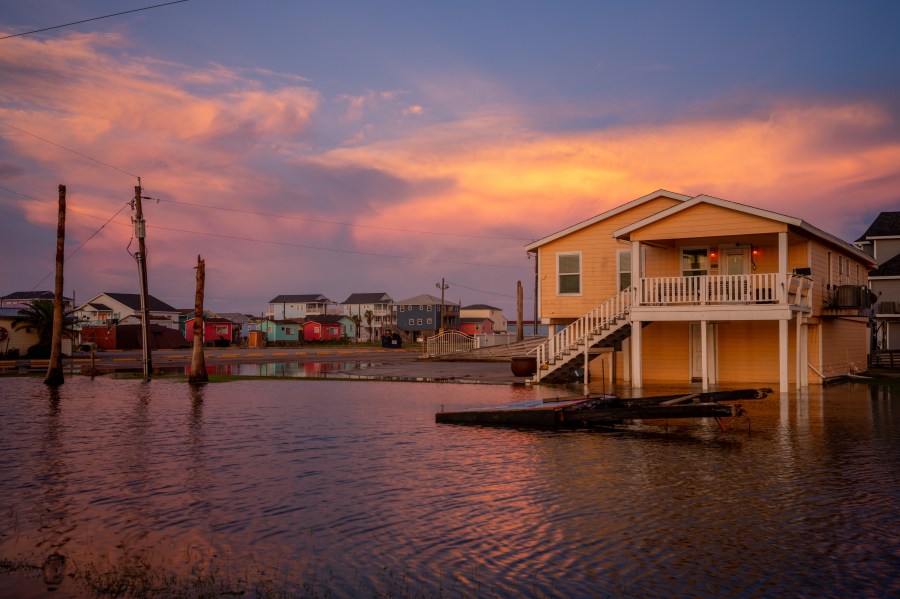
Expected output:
{"points": [[259, 141], [507, 175]]}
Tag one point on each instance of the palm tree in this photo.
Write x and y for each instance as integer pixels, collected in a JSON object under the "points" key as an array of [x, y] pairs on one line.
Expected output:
{"points": [[369, 316], [356, 321], [39, 316]]}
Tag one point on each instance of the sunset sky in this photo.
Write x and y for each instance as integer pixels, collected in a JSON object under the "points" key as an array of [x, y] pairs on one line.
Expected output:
{"points": [[341, 147]]}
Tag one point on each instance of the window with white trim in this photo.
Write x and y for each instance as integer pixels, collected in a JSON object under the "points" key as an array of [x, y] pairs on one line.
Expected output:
{"points": [[568, 267], [623, 270]]}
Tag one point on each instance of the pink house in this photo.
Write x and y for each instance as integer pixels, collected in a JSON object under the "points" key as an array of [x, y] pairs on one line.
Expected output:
{"points": [[476, 326], [323, 328], [215, 330]]}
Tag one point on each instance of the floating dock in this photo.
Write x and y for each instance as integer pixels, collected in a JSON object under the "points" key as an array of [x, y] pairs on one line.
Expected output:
{"points": [[604, 410]]}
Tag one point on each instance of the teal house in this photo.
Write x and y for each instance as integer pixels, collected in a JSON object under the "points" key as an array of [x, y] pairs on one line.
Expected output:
{"points": [[281, 331]]}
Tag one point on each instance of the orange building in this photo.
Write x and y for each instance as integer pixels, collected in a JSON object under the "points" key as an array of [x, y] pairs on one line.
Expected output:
{"points": [[674, 288]]}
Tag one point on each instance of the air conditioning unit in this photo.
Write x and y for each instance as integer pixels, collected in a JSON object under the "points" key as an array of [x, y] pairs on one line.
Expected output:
{"points": [[848, 296]]}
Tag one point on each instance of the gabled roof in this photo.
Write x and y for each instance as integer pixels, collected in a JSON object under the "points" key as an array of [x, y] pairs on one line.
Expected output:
{"points": [[608, 214], [368, 298], [479, 307], [299, 299], [99, 307], [235, 317], [33, 295], [767, 214], [133, 301], [328, 319], [424, 300], [886, 224], [214, 320], [891, 268]]}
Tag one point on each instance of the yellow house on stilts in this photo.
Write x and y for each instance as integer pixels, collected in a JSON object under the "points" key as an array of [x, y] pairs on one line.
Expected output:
{"points": [[670, 288]]}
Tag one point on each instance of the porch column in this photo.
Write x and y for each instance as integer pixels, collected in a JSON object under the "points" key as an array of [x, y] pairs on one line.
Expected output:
{"points": [[587, 360], [636, 360], [783, 356], [636, 273], [783, 264], [612, 367], [802, 352], [704, 356]]}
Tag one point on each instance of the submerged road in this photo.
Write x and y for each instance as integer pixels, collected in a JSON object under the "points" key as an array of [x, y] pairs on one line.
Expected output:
{"points": [[379, 364]]}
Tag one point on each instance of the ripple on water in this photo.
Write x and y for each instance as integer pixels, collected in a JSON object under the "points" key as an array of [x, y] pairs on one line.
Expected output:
{"points": [[351, 487]]}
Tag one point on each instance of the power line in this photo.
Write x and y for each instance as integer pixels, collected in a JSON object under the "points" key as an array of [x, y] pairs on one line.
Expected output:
{"points": [[481, 290], [83, 243], [89, 20], [291, 244], [341, 251], [70, 149], [331, 222], [49, 203]]}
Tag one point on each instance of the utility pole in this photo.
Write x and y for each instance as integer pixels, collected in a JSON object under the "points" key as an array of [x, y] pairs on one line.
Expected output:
{"points": [[198, 358], [535, 327], [140, 230], [520, 334], [55, 370], [442, 286]]}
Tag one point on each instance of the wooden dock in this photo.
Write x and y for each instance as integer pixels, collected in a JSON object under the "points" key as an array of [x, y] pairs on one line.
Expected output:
{"points": [[605, 410]]}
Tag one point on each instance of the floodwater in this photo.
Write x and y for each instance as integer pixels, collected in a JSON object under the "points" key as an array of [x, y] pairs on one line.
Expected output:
{"points": [[348, 489]]}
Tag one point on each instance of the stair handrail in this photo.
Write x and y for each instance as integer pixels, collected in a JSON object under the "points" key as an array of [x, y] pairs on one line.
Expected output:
{"points": [[601, 317]]}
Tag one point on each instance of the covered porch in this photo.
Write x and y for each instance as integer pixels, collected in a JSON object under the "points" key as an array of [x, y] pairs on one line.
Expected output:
{"points": [[707, 281]]}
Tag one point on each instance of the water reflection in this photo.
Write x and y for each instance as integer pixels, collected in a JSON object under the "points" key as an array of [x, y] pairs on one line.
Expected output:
{"points": [[56, 524], [291, 369], [350, 489]]}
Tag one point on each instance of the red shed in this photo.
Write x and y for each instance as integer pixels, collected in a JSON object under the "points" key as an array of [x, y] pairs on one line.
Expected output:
{"points": [[323, 328], [215, 330]]}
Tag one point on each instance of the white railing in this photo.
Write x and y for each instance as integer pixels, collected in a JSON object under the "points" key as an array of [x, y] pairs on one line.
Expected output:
{"points": [[765, 288], [592, 323], [450, 342], [492, 339]]}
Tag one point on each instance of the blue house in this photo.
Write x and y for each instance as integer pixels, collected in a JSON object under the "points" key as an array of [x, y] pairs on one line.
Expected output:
{"points": [[281, 331], [421, 316]]}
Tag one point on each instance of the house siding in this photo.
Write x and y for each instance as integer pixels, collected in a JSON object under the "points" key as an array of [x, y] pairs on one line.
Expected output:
{"points": [[814, 353], [666, 352], [844, 343], [885, 249], [707, 221], [748, 352], [598, 263], [744, 352]]}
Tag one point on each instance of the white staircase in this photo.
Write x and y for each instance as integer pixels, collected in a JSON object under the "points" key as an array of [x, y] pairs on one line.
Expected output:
{"points": [[604, 326]]}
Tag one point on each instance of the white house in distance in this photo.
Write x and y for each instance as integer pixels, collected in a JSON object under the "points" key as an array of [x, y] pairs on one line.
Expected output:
{"points": [[882, 241], [380, 305], [21, 299], [484, 311], [282, 307], [108, 308]]}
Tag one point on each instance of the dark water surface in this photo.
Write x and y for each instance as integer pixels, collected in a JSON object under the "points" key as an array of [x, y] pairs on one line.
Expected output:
{"points": [[346, 489]]}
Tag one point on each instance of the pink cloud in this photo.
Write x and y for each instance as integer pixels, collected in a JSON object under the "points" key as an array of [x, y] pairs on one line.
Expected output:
{"points": [[253, 140]]}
